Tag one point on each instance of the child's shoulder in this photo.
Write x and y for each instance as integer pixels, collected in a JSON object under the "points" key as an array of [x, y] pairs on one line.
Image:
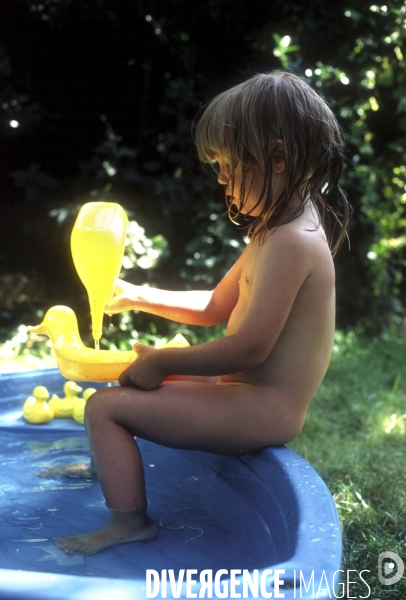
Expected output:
{"points": [[295, 245], [296, 234]]}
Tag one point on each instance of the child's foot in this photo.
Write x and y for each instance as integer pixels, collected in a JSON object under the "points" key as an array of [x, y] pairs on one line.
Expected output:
{"points": [[86, 471], [126, 526]]}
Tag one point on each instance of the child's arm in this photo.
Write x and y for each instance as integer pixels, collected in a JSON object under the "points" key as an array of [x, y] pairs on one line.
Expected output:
{"points": [[283, 263], [191, 307]]}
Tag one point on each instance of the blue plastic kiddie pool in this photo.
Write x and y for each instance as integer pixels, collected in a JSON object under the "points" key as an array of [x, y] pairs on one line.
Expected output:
{"points": [[261, 514]]}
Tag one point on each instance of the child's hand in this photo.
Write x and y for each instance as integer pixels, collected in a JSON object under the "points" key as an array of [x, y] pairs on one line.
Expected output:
{"points": [[124, 298], [143, 373]]}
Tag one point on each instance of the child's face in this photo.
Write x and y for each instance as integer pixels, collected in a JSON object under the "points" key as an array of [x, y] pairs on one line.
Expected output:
{"points": [[253, 186]]}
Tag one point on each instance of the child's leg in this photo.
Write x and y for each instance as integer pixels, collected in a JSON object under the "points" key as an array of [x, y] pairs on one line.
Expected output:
{"points": [[226, 419], [88, 471]]}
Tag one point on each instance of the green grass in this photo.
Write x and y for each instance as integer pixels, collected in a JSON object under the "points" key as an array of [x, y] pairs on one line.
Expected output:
{"points": [[354, 437]]}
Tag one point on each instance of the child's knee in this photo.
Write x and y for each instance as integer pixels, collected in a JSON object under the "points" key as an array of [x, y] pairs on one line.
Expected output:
{"points": [[95, 406], [104, 405]]}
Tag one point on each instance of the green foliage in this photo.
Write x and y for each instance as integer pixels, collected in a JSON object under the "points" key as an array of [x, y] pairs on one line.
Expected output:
{"points": [[115, 123], [20, 352], [365, 81], [354, 437], [141, 251], [282, 48]]}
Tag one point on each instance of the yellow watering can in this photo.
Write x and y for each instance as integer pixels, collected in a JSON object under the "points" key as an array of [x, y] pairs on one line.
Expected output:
{"points": [[97, 244]]}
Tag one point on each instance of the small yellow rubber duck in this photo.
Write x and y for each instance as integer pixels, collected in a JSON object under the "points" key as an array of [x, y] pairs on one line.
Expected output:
{"points": [[63, 407], [36, 410], [79, 408]]}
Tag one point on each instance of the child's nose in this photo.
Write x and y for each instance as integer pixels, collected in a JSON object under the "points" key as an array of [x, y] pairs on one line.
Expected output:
{"points": [[222, 179]]}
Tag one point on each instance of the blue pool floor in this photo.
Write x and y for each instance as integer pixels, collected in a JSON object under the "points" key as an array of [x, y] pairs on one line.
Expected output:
{"points": [[256, 512], [199, 528]]}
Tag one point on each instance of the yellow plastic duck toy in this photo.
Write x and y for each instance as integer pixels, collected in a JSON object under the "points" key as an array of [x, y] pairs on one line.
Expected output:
{"points": [[63, 407], [76, 361], [35, 409], [79, 408]]}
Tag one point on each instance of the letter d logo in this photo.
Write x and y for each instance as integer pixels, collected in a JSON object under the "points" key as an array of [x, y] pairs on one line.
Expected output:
{"points": [[384, 568]]}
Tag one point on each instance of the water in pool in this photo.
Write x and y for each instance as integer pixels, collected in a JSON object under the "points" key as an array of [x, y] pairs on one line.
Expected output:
{"points": [[34, 510]]}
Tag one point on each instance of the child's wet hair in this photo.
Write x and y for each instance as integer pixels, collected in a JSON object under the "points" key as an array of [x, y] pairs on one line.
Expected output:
{"points": [[243, 124]]}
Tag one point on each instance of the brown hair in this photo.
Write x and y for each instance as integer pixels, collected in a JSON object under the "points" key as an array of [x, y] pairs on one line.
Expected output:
{"points": [[243, 124]]}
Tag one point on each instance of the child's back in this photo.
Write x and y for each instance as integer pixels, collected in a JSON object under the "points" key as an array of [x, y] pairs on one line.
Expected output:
{"points": [[299, 328]]}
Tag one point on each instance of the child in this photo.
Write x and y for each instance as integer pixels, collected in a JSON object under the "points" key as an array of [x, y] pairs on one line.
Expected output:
{"points": [[278, 150]]}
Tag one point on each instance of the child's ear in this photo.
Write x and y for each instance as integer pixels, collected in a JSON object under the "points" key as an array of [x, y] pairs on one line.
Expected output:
{"points": [[278, 158]]}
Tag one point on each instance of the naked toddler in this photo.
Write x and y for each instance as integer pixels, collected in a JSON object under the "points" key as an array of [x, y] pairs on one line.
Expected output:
{"points": [[278, 150]]}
